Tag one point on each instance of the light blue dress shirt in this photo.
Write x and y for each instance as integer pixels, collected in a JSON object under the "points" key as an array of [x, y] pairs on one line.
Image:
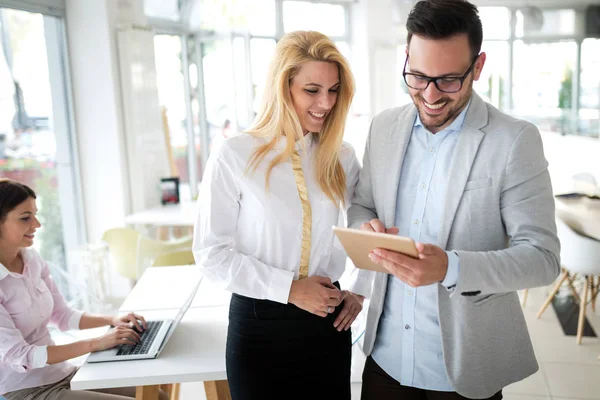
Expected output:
{"points": [[409, 344]]}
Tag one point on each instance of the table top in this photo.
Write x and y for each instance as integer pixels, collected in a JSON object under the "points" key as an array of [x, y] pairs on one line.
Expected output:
{"points": [[162, 288], [182, 214], [581, 214], [195, 352]]}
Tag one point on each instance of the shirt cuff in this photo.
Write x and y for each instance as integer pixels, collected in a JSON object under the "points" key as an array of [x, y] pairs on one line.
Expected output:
{"points": [[40, 357], [453, 271], [281, 282], [74, 320]]}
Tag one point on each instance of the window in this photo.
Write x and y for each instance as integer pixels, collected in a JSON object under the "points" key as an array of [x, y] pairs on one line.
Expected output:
{"points": [[261, 18], [35, 140], [329, 19], [543, 82], [219, 91], [256, 16], [242, 86], [165, 9], [496, 23], [535, 22], [493, 82], [589, 106], [169, 76], [237, 39], [261, 51]]}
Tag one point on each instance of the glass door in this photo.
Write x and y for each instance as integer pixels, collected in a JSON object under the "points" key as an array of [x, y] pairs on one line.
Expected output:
{"points": [[217, 92], [35, 129]]}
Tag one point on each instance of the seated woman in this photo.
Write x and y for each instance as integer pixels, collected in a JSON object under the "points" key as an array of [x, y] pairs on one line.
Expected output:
{"points": [[31, 365]]}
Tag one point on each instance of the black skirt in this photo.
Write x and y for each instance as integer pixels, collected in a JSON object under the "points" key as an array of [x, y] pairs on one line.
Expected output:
{"points": [[279, 351]]}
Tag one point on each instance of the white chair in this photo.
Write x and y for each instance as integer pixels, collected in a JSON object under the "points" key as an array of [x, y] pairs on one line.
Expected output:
{"points": [[585, 177], [579, 255], [584, 182]]}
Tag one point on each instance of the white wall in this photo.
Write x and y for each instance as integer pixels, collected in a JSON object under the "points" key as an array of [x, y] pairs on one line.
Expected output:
{"points": [[98, 119]]}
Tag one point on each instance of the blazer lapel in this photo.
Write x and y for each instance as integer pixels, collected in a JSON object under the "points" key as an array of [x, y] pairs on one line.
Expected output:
{"points": [[397, 142], [464, 155]]}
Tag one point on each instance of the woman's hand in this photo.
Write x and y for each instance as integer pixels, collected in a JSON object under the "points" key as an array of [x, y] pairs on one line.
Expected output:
{"points": [[353, 304], [316, 294], [114, 337], [130, 320]]}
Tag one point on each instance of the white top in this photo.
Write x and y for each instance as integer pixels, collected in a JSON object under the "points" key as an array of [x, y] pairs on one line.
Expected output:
{"points": [[28, 303], [249, 240]]}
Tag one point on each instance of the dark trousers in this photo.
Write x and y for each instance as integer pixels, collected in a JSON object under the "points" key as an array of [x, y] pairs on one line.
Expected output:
{"points": [[378, 385], [278, 351]]}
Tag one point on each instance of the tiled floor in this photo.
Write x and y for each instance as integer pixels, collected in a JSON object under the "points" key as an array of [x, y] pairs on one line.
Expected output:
{"points": [[567, 371]]}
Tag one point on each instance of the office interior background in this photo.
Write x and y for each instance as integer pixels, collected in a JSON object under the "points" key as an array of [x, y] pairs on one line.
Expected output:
{"points": [[100, 99]]}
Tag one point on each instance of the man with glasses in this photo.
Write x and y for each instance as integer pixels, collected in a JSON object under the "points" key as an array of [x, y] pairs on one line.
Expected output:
{"points": [[470, 185]]}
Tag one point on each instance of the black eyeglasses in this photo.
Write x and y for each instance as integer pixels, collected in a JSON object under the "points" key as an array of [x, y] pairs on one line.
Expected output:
{"points": [[446, 84]]}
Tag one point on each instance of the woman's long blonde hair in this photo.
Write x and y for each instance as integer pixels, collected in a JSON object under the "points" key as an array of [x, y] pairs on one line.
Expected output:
{"points": [[277, 115]]}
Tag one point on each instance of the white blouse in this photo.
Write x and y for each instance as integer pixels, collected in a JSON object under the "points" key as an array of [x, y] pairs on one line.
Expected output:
{"points": [[249, 240]]}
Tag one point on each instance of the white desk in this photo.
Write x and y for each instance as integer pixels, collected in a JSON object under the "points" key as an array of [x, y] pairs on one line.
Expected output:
{"points": [[182, 214], [162, 288], [195, 352]]}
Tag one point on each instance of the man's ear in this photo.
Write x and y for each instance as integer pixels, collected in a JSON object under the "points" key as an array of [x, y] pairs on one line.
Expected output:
{"points": [[479, 66]]}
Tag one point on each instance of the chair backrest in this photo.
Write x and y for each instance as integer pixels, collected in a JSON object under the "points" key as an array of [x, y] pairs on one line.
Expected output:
{"points": [[579, 254], [150, 249], [179, 257], [585, 177], [133, 252], [122, 245], [584, 182]]}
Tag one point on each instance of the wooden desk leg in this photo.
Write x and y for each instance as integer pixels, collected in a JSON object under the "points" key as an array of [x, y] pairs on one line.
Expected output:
{"points": [[217, 390], [171, 389], [147, 392]]}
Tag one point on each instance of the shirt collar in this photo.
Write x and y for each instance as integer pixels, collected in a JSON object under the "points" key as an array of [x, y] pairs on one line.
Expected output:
{"points": [[455, 126], [4, 272], [306, 142]]}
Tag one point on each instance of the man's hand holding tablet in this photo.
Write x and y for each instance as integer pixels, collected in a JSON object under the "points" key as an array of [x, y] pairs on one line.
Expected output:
{"points": [[378, 248]]}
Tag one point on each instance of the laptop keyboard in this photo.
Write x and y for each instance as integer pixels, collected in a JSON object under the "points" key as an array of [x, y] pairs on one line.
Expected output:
{"points": [[143, 346]]}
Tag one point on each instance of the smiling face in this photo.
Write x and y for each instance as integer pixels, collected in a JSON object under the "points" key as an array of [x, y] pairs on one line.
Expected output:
{"points": [[314, 92], [436, 58], [19, 227]]}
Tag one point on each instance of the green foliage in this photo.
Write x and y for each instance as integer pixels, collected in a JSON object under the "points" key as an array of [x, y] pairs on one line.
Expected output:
{"points": [[51, 236], [565, 94], [491, 85]]}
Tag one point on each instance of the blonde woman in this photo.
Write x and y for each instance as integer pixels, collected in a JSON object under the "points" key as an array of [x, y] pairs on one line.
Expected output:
{"points": [[267, 203]]}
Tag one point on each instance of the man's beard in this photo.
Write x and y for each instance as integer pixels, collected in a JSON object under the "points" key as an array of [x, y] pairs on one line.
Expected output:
{"points": [[450, 113]]}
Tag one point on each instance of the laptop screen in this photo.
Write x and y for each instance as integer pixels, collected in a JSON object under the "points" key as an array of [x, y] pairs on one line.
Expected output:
{"points": [[180, 314]]}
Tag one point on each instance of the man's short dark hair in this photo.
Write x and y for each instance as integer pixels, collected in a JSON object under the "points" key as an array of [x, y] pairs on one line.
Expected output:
{"points": [[442, 19]]}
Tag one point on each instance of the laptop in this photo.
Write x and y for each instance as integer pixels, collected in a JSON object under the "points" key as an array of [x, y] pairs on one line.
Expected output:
{"points": [[153, 339]]}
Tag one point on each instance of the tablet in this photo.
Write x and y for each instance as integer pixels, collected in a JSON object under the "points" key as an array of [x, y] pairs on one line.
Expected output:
{"points": [[358, 244]]}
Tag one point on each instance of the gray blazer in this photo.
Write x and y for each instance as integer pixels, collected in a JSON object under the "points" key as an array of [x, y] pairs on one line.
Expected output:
{"points": [[498, 217]]}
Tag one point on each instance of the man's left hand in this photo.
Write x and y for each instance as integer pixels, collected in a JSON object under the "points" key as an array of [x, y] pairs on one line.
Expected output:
{"points": [[430, 267]]}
